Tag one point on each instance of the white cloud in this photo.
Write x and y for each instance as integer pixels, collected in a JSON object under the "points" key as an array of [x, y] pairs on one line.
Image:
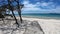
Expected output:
{"points": [[44, 4], [28, 7], [26, 2], [57, 10]]}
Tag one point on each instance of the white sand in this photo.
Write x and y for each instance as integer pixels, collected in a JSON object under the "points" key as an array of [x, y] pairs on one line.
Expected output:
{"points": [[49, 26]]}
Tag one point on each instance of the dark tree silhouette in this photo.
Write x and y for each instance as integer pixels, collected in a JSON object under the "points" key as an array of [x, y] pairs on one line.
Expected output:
{"points": [[11, 8], [19, 9], [2, 11]]}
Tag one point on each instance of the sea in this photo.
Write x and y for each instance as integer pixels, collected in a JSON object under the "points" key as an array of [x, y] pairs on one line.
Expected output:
{"points": [[42, 16]]}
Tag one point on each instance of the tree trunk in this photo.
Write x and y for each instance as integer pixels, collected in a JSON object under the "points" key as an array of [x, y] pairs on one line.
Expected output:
{"points": [[15, 18], [19, 11], [11, 8]]}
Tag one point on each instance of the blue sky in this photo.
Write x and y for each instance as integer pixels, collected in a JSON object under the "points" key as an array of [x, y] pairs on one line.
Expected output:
{"points": [[40, 6]]}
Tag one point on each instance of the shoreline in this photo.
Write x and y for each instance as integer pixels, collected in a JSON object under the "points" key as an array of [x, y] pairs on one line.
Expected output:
{"points": [[55, 18]]}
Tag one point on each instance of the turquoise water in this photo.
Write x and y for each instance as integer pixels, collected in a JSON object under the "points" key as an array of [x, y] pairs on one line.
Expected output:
{"points": [[42, 16]]}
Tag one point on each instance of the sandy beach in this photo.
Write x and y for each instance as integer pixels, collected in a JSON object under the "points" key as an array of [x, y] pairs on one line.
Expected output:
{"points": [[49, 26]]}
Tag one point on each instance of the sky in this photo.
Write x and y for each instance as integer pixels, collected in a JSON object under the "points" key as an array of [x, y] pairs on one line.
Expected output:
{"points": [[40, 6]]}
